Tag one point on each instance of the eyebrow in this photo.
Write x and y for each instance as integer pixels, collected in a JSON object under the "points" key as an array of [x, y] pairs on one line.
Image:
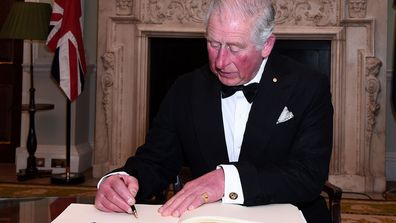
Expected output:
{"points": [[239, 44]]}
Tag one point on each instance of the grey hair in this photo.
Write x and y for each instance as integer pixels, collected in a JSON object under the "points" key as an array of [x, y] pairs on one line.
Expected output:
{"points": [[261, 11]]}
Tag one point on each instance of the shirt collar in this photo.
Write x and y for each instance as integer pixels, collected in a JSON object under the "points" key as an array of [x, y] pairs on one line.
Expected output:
{"points": [[259, 74]]}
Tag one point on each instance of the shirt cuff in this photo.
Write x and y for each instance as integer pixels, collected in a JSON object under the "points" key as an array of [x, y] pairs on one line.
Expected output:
{"points": [[233, 193], [110, 174]]}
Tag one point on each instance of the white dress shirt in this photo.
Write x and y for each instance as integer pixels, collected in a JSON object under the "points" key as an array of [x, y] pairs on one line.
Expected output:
{"points": [[235, 110]]}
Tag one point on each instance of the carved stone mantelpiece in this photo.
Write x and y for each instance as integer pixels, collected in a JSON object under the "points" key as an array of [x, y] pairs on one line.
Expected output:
{"points": [[174, 11], [306, 12], [357, 8], [357, 74], [124, 7]]}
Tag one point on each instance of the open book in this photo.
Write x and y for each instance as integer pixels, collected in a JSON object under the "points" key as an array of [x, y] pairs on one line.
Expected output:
{"points": [[209, 213]]}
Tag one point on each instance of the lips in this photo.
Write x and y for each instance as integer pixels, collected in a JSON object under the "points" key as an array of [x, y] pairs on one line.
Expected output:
{"points": [[225, 74]]}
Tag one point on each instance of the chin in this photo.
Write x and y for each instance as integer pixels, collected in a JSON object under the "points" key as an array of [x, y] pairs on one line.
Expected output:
{"points": [[229, 82]]}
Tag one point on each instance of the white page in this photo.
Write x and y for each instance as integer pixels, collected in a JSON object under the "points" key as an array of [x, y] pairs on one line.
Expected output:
{"points": [[231, 213], [87, 213], [214, 212]]}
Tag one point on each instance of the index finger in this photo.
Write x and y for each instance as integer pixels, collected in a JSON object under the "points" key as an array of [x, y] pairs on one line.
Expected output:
{"points": [[113, 195], [132, 186]]}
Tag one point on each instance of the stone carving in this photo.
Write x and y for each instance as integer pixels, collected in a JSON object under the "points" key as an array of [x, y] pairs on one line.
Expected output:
{"points": [[357, 8], [288, 12], [306, 12], [181, 11], [373, 87], [124, 7], [107, 88]]}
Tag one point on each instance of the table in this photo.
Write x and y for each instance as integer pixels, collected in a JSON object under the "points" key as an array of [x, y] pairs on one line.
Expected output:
{"points": [[36, 209]]}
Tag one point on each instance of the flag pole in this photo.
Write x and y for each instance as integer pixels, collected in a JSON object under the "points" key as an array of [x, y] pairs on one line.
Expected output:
{"points": [[68, 129], [68, 177], [65, 39]]}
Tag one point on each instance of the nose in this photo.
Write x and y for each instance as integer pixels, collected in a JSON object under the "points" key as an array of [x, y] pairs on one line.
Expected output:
{"points": [[222, 58]]}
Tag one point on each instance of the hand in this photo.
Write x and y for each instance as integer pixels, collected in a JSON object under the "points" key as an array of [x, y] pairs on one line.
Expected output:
{"points": [[117, 193], [192, 194]]}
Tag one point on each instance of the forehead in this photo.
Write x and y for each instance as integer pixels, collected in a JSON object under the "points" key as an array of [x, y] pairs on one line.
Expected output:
{"points": [[228, 27]]}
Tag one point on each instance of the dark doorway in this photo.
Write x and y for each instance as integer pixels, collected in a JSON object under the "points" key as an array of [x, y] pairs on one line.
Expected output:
{"points": [[313, 53], [11, 54], [172, 57]]}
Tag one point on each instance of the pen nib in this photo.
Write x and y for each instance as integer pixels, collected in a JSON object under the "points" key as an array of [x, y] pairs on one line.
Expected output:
{"points": [[134, 211]]}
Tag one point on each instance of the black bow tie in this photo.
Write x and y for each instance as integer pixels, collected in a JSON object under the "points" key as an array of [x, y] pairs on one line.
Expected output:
{"points": [[249, 91]]}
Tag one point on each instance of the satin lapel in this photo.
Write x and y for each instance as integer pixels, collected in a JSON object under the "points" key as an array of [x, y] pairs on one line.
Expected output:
{"points": [[274, 90], [208, 121]]}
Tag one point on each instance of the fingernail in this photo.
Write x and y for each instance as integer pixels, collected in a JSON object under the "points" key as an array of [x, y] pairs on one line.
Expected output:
{"points": [[129, 211], [190, 208], [130, 201], [175, 214], [165, 213]]}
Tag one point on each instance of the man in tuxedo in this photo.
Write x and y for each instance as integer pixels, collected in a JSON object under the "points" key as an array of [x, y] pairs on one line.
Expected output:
{"points": [[253, 126]]}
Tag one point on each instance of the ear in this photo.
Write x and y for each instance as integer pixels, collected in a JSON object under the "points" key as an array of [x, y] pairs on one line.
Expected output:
{"points": [[268, 45]]}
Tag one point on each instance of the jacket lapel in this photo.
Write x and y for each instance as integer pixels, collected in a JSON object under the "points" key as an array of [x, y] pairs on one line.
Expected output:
{"points": [[207, 117], [274, 90]]}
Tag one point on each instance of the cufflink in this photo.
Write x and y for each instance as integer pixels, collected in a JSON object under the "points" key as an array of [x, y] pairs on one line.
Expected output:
{"points": [[233, 196]]}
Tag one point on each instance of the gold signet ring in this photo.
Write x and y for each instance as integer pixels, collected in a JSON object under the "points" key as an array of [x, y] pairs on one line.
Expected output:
{"points": [[205, 197]]}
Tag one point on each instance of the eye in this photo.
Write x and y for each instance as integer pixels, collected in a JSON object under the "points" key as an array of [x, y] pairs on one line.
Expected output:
{"points": [[215, 45], [234, 48]]}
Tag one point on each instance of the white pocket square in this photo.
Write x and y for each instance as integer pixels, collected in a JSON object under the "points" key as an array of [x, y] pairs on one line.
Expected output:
{"points": [[285, 116]]}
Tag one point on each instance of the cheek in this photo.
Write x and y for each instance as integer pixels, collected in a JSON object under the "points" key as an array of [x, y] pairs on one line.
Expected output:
{"points": [[212, 61], [243, 59], [211, 55], [247, 65]]}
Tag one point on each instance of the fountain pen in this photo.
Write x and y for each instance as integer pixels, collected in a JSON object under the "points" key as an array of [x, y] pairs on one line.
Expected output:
{"points": [[134, 211]]}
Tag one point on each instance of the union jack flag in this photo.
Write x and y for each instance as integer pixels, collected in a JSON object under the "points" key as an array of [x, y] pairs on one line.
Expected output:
{"points": [[65, 38]]}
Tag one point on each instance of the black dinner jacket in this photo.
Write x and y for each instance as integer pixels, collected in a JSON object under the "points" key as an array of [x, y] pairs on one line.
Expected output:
{"points": [[279, 163]]}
